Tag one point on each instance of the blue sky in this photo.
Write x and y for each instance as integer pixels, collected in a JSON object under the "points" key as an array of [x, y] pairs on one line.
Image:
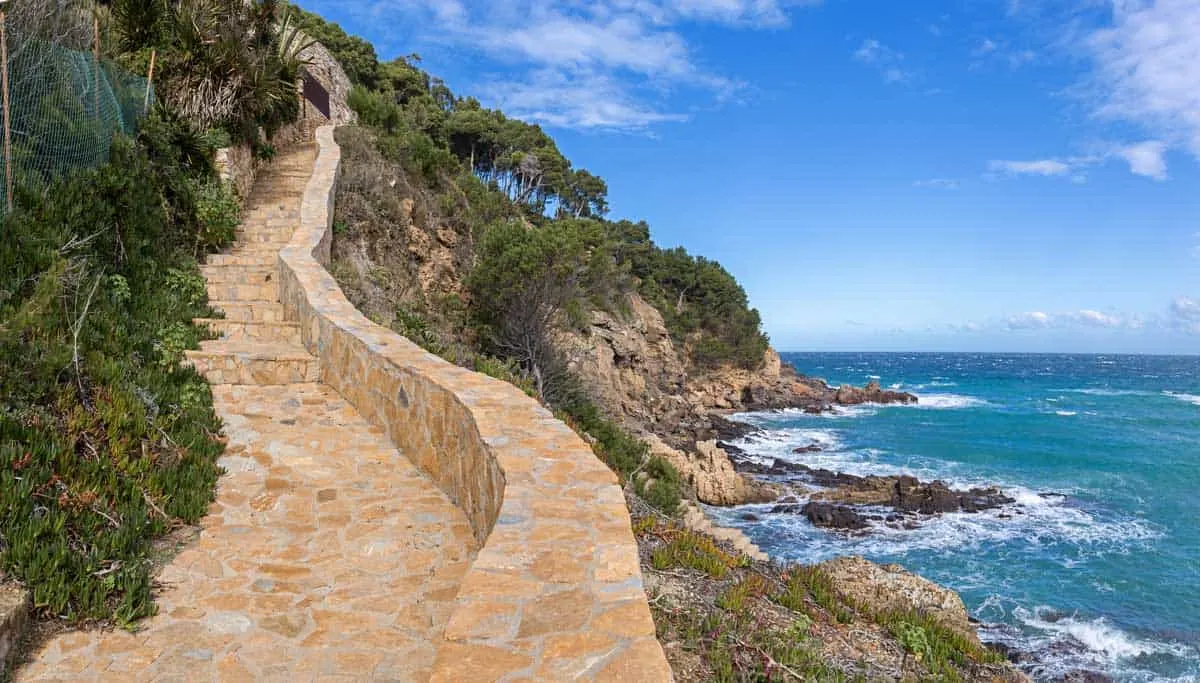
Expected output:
{"points": [[1007, 175]]}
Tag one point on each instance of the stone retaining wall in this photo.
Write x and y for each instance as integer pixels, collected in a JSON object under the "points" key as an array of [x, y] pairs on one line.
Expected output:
{"points": [[555, 591], [14, 617]]}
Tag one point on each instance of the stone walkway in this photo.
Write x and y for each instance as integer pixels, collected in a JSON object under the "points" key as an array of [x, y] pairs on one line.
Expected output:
{"points": [[327, 555]]}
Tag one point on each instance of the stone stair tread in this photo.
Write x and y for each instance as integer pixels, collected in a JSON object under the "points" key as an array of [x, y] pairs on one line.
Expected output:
{"points": [[253, 350], [264, 323]]}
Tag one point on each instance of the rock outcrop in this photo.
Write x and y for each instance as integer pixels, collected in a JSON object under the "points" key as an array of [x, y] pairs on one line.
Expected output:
{"points": [[891, 588], [847, 395], [710, 474]]}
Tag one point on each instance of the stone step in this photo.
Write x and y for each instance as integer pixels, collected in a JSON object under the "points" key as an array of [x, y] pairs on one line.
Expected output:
{"points": [[242, 258], [251, 362], [228, 291], [239, 274], [273, 332], [258, 248], [265, 236], [250, 311]]}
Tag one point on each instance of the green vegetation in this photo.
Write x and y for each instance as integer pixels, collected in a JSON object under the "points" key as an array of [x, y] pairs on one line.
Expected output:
{"points": [[689, 549], [106, 443], [805, 582], [506, 176]]}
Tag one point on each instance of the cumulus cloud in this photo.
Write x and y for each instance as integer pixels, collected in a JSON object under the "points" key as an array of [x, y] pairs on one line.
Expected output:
{"points": [[1185, 314], [889, 62], [1029, 321], [1097, 319], [1038, 320], [1146, 158], [609, 64]]}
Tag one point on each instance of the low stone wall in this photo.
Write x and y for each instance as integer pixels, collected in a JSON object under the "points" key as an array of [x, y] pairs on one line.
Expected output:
{"points": [[236, 166], [14, 617], [555, 591]]}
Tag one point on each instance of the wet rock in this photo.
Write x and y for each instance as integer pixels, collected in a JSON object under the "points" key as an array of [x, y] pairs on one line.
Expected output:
{"points": [[1083, 676], [749, 517], [847, 395], [830, 516], [810, 448]]}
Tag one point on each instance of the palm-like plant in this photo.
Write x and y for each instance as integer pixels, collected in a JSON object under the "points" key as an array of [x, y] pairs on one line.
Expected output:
{"points": [[224, 63]]}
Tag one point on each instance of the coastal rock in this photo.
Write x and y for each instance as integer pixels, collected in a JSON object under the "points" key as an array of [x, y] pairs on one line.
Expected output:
{"points": [[904, 493], [1081, 676], [888, 588], [810, 448], [710, 474], [847, 395], [830, 516]]}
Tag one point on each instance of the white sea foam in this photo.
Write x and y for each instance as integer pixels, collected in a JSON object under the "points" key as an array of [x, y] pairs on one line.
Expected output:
{"points": [[937, 383], [1190, 398], [948, 401], [1106, 392], [1097, 635], [1065, 413]]}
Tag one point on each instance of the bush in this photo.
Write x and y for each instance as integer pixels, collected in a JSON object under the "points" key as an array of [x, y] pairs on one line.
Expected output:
{"points": [[218, 212], [105, 442]]}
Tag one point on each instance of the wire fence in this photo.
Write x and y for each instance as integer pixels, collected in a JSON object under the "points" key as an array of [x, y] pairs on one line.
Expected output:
{"points": [[64, 109]]}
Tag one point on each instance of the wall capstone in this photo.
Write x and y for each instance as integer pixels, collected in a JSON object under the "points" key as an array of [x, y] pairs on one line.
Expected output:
{"points": [[555, 591]]}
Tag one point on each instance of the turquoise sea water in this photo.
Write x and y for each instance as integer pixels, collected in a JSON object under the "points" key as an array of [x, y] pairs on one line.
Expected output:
{"points": [[1099, 565]]}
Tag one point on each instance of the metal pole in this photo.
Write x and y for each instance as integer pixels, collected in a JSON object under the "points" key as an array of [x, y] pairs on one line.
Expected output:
{"points": [[8, 174], [149, 81]]}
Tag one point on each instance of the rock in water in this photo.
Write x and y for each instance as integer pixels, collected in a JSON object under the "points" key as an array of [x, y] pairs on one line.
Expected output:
{"points": [[832, 516], [847, 395]]}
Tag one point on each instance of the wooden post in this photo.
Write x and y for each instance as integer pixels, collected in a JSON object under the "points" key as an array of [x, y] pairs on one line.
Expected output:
{"points": [[8, 171], [149, 81]]}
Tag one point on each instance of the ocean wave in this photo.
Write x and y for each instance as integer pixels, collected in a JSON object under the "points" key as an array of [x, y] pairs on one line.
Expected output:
{"points": [[1065, 413], [1189, 398], [948, 401], [1078, 642], [1092, 391]]}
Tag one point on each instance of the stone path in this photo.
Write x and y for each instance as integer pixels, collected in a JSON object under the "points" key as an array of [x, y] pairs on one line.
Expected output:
{"points": [[327, 555]]}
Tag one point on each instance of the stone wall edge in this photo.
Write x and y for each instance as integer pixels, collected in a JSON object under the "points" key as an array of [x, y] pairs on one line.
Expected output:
{"points": [[555, 590]]}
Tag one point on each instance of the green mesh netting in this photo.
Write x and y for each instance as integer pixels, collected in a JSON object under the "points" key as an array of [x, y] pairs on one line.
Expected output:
{"points": [[65, 111]]}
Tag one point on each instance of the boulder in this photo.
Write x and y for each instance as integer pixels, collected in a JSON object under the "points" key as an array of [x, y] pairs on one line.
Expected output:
{"points": [[831, 516], [888, 588]]}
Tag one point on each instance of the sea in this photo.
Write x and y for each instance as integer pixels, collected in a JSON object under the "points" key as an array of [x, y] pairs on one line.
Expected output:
{"points": [[1095, 567]]}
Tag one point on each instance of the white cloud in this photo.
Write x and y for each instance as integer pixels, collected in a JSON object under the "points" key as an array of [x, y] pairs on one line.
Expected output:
{"points": [[1147, 71], [888, 61], [1185, 314], [1038, 320], [1029, 321], [1146, 158], [1043, 167], [937, 183], [1097, 319], [606, 64]]}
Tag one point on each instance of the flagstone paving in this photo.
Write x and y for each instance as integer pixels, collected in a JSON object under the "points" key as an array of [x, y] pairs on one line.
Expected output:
{"points": [[327, 555]]}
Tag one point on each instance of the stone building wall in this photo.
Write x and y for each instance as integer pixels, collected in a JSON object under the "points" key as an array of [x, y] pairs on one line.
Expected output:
{"points": [[555, 591]]}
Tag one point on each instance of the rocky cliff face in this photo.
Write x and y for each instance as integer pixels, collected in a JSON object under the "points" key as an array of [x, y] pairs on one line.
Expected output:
{"points": [[634, 372]]}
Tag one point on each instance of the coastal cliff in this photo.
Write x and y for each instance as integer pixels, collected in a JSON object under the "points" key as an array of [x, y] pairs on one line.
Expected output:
{"points": [[650, 383]]}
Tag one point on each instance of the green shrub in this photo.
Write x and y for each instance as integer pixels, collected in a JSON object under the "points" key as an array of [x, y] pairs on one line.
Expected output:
{"points": [[105, 442], [218, 213]]}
